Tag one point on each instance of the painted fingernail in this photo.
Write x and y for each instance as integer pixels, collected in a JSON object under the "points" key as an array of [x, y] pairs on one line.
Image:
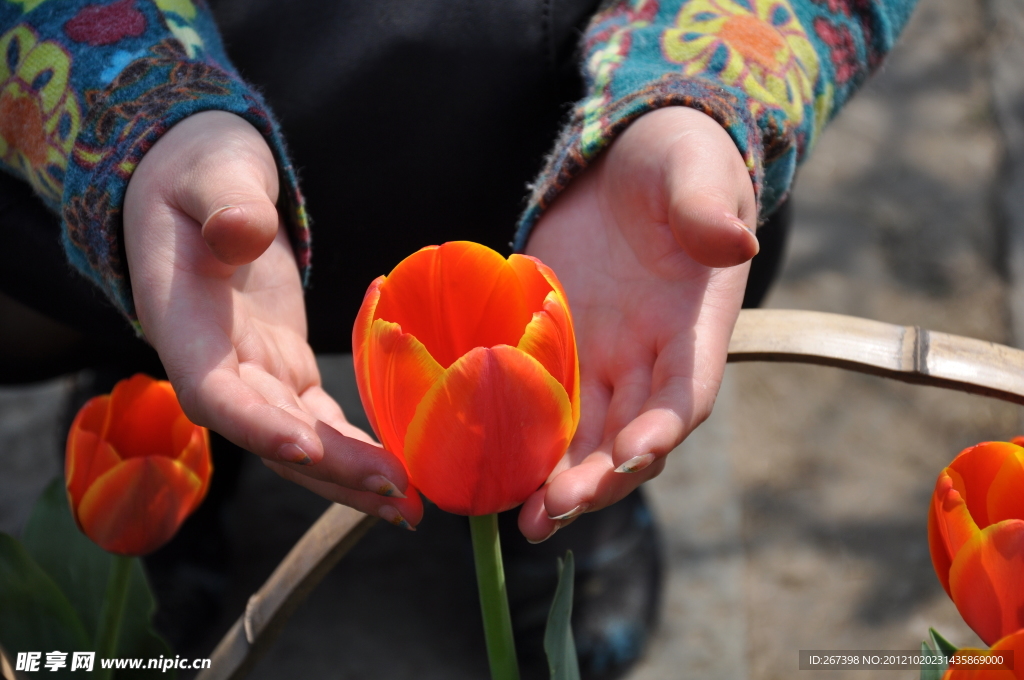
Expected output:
{"points": [[636, 463], [558, 525], [390, 514], [575, 512], [382, 486], [740, 224], [293, 453]]}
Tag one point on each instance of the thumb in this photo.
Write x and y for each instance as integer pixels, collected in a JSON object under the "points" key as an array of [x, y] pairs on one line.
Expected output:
{"points": [[231, 188], [240, 231], [711, 207], [710, 232]]}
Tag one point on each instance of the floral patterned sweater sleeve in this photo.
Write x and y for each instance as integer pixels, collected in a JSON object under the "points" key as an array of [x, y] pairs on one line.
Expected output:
{"points": [[772, 72], [87, 88]]}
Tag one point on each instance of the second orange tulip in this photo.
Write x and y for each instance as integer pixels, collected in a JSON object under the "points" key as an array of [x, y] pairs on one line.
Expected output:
{"points": [[136, 467]]}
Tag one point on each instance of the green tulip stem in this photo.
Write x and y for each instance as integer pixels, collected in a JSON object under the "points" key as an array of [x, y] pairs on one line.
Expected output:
{"points": [[110, 615], [490, 578]]}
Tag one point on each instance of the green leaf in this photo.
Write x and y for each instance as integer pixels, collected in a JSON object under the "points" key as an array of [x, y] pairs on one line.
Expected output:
{"points": [[138, 638], [931, 671], [940, 643], [35, 616], [558, 641], [80, 568], [77, 565]]}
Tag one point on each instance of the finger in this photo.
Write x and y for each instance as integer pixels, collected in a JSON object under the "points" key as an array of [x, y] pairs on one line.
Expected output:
{"points": [[239, 232], [632, 389], [684, 384], [588, 487], [534, 522], [220, 400], [231, 188], [402, 512], [595, 397], [356, 464], [593, 485], [711, 208], [710, 232], [648, 437], [626, 458], [323, 406]]}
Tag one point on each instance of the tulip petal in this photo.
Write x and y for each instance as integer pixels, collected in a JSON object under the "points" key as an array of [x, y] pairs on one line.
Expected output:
{"points": [[1015, 642], [83, 460], [195, 453], [142, 414], [455, 297], [93, 416], [987, 580], [549, 340], [400, 371], [978, 466], [137, 506], [950, 524], [360, 350], [537, 280], [1006, 493], [92, 463], [489, 432]]}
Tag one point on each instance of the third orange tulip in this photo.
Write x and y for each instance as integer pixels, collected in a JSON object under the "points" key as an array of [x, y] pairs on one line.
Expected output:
{"points": [[1010, 649], [976, 537]]}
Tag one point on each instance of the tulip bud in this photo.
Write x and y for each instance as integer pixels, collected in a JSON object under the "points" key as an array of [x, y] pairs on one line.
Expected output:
{"points": [[976, 537], [136, 467], [466, 366], [984, 668]]}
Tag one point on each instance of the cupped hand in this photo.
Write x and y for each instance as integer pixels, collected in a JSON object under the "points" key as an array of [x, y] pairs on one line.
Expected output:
{"points": [[651, 244], [218, 295]]}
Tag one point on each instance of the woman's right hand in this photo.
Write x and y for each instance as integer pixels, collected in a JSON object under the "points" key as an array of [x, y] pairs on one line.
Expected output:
{"points": [[218, 295]]}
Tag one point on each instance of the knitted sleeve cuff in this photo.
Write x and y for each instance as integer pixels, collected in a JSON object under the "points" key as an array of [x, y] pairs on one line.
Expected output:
{"points": [[771, 72], [151, 94], [595, 125]]}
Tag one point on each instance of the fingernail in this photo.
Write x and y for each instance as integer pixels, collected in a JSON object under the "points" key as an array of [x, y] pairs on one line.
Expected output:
{"points": [[636, 463], [558, 525], [390, 514], [578, 510], [382, 486], [740, 224], [218, 211], [293, 453]]}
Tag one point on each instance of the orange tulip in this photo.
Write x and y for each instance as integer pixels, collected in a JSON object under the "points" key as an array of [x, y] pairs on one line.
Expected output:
{"points": [[466, 365], [1011, 643], [976, 537], [136, 467]]}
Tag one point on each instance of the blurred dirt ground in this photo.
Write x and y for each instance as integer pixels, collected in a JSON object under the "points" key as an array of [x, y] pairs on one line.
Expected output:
{"points": [[795, 518]]}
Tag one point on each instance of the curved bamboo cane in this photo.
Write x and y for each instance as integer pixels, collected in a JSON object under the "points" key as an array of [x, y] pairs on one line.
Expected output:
{"points": [[302, 569], [906, 353], [7, 671]]}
